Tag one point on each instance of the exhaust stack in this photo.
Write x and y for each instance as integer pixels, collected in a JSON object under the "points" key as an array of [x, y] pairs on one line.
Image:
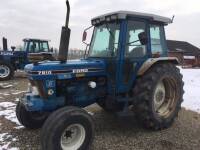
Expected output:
{"points": [[5, 44], [65, 36]]}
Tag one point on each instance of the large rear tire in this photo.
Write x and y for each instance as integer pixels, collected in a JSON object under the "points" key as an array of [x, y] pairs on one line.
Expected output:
{"points": [[68, 128], [158, 96], [6, 71], [31, 120]]}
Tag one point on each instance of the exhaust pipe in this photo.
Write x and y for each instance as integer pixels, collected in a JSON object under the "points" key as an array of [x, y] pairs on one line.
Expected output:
{"points": [[65, 37], [5, 44]]}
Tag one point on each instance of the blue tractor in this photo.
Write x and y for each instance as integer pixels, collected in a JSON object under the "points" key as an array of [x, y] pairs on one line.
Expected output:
{"points": [[34, 50], [126, 66]]}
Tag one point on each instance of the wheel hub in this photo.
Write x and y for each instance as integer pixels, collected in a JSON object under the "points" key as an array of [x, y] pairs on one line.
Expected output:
{"points": [[4, 71], [73, 137], [165, 97], [159, 95]]}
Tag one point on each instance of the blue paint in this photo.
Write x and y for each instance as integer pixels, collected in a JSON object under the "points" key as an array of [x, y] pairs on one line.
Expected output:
{"points": [[35, 103]]}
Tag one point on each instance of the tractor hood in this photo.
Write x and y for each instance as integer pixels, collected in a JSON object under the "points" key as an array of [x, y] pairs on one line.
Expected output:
{"points": [[70, 69]]}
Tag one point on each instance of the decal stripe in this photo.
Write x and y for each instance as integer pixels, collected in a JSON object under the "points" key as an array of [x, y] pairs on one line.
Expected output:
{"points": [[65, 71]]}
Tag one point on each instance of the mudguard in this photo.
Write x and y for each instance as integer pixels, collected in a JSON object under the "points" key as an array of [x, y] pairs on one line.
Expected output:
{"points": [[152, 61]]}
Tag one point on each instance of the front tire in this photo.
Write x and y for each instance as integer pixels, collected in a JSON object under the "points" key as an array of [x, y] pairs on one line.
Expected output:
{"points": [[6, 71], [158, 95], [31, 120], [69, 128]]}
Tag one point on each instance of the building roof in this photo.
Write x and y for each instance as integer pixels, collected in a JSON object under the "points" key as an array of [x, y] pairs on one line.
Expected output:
{"points": [[182, 46], [125, 14]]}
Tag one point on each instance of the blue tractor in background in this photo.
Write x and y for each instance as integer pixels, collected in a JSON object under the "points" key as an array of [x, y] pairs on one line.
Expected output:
{"points": [[126, 68], [34, 50]]}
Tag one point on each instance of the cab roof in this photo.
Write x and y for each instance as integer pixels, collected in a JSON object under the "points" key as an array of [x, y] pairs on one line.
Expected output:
{"points": [[124, 14], [32, 39]]}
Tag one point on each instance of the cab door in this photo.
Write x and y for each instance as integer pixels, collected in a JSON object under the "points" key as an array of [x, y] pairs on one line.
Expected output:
{"points": [[133, 54]]}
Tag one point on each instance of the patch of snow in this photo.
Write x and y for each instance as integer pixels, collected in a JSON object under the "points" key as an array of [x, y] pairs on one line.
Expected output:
{"points": [[19, 127], [16, 93], [7, 110], [7, 104], [3, 136], [191, 78], [6, 147], [5, 85], [5, 94]]}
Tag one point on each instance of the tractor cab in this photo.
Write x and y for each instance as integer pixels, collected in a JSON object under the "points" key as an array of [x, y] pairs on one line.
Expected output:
{"points": [[37, 50], [36, 46], [125, 40]]}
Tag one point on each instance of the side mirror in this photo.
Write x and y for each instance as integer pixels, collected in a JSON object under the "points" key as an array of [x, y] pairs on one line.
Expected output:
{"points": [[143, 38], [84, 36]]}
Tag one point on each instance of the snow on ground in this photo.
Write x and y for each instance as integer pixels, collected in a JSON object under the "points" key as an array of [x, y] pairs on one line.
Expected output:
{"points": [[5, 141], [7, 110], [191, 78]]}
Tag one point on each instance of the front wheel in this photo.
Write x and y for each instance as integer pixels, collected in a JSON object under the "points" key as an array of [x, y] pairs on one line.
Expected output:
{"points": [[69, 128], [6, 71], [31, 120]]}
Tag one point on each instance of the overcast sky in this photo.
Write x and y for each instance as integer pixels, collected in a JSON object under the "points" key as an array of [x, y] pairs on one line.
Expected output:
{"points": [[44, 18]]}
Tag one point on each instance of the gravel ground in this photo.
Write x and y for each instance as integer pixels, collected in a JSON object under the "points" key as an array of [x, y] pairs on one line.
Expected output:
{"points": [[111, 132]]}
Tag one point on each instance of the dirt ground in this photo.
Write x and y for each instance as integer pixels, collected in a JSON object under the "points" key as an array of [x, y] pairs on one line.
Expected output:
{"points": [[111, 132]]}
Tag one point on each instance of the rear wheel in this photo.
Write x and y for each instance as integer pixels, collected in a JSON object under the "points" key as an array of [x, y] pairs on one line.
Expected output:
{"points": [[69, 128], [32, 120], [158, 96], [6, 71]]}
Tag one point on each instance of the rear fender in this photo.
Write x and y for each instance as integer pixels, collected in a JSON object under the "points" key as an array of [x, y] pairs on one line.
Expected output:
{"points": [[152, 61]]}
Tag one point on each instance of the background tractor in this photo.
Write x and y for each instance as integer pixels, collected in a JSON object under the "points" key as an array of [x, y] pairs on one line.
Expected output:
{"points": [[34, 50], [126, 65]]}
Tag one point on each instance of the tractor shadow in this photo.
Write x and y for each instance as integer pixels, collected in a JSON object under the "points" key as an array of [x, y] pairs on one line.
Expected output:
{"points": [[108, 122]]}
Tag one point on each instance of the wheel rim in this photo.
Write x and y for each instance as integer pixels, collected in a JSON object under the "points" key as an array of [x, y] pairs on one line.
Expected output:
{"points": [[165, 97], [4, 71], [73, 137]]}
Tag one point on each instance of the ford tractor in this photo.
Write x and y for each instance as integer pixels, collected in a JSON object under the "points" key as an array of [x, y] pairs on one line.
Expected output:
{"points": [[126, 68], [34, 50]]}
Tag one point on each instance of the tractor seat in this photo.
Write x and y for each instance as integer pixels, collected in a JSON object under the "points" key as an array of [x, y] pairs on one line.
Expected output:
{"points": [[137, 52]]}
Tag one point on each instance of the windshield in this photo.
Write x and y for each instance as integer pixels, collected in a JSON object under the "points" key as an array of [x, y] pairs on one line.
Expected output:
{"points": [[105, 40]]}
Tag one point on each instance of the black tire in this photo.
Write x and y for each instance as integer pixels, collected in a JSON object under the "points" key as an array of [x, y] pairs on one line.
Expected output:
{"points": [[146, 100], [8, 67], [59, 121], [31, 120]]}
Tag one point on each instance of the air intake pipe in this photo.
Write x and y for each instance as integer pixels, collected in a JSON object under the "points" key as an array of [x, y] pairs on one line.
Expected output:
{"points": [[65, 37], [5, 44]]}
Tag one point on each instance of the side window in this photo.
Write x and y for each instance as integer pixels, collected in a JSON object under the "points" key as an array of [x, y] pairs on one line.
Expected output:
{"points": [[44, 47], [34, 47], [134, 48], [157, 45]]}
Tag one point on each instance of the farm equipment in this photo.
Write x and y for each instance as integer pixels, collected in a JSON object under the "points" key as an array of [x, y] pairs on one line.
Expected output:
{"points": [[34, 50], [125, 67]]}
